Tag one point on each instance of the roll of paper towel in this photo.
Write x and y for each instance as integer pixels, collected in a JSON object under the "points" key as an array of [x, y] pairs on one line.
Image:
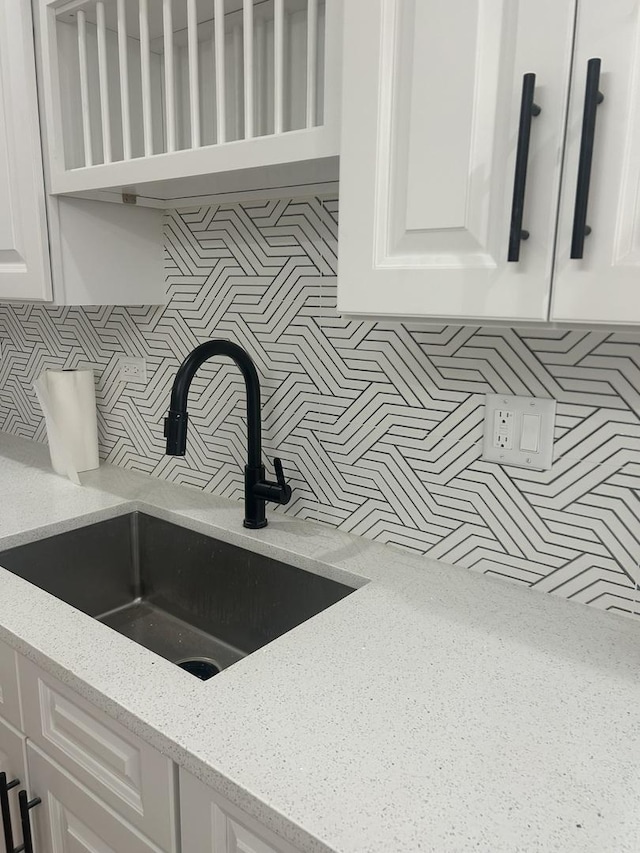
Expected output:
{"points": [[68, 400]]}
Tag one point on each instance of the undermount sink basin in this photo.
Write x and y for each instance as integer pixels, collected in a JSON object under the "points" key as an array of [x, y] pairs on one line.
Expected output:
{"points": [[199, 602]]}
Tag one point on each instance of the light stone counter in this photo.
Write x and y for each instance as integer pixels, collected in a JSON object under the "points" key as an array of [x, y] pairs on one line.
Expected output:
{"points": [[432, 710]]}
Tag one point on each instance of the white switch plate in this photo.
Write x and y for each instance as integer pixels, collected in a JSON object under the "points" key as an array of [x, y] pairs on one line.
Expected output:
{"points": [[503, 421], [132, 369]]}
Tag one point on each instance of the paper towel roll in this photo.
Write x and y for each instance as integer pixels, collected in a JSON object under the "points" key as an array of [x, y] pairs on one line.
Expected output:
{"points": [[68, 400]]}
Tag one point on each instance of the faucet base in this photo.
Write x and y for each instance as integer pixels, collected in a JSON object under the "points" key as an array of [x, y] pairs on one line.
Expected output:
{"points": [[254, 525]]}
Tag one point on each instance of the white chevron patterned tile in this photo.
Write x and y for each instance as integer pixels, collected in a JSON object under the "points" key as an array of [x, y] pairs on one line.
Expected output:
{"points": [[464, 545], [577, 577], [505, 566], [378, 425]]}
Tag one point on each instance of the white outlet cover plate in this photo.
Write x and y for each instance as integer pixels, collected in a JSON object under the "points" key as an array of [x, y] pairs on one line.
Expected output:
{"points": [[520, 406], [132, 369]]}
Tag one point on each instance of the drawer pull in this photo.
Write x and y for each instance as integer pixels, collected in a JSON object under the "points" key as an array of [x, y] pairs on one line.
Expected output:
{"points": [[5, 787], [592, 98], [25, 807], [528, 110]]}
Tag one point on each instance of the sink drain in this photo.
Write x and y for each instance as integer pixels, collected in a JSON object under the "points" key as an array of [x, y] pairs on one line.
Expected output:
{"points": [[200, 667]]}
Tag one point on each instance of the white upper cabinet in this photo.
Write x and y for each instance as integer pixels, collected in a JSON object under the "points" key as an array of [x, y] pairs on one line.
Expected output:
{"points": [[160, 99], [71, 252], [453, 151], [432, 102], [24, 250], [604, 283]]}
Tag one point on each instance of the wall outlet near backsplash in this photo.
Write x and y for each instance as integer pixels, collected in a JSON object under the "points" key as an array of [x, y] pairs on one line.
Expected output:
{"points": [[519, 431], [379, 425], [132, 369]]}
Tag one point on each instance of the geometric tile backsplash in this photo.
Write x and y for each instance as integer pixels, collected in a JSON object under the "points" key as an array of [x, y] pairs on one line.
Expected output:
{"points": [[379, 425]]}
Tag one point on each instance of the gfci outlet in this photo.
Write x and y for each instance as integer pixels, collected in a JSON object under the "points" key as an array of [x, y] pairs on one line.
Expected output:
{"points": [[519, 431], [132, 369], [503, 423]]}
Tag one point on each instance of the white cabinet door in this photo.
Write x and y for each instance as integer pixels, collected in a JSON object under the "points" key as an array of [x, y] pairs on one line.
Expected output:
{"points": [[24, 251], [12, 762], [135, 780], [70, 819], [603, 285], [431, 103], [211, 824]]}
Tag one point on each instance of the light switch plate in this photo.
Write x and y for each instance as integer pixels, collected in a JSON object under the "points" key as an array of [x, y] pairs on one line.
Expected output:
{"points": [[504, 438]]}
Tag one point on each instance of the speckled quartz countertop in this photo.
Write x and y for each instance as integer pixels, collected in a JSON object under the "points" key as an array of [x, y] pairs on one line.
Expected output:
{"points": [[432, 710]]}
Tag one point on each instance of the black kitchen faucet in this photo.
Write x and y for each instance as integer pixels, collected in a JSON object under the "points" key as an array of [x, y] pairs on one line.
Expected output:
{"points": [[257, 490]]}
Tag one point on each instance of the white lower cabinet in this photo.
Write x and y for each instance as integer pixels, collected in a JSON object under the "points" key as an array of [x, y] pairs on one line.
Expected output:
{"points": [[96, 787], [71, 819], [211, 824], [130, 777], [12, 764]]}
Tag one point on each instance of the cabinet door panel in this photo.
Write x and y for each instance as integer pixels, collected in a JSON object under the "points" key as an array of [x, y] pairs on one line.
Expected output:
{"points": [[604, 286], [211, 824], [71, 819], [133, 778], [13, 764], [24, 251], [430, 127]]}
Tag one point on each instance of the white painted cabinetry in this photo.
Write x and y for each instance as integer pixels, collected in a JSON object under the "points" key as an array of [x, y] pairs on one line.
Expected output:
{"points": [[129, 776], [69, 251], [13, 765], [71, 819], [96, 787], [99, 787], [605, 284], [24, 249], [211, 824], [433, 109], [430, 125], [165, 99]]}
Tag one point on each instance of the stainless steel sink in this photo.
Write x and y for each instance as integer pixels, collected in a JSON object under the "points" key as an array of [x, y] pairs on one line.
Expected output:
{"points": [[196, 601]]}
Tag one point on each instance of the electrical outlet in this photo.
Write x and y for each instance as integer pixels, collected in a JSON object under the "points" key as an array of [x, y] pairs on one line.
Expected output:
{"points": [[503, 423], [519, 431], [132, 369]]}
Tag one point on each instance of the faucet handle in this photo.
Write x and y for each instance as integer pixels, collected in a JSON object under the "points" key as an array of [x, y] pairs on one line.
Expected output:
{"points": [[285, 489], [277, 464]]}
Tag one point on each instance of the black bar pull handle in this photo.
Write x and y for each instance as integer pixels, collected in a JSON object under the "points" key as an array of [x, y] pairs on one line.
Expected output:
{"points": [[528, 109], [25, 807], [5, 787], [592, 98]]}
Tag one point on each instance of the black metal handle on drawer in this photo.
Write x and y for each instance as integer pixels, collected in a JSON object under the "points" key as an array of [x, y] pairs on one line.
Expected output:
{"points": [[5, 787], [527, 111], [25, 807], [592, 98]]}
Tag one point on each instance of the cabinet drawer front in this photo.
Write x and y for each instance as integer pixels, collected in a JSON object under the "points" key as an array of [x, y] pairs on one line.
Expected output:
{"points": [[70, 819], [211, 824], [9, 696], [128, 774]]}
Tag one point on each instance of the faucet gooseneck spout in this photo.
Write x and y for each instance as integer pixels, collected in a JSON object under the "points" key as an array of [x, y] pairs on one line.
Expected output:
{"points": [[257, 490]]}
